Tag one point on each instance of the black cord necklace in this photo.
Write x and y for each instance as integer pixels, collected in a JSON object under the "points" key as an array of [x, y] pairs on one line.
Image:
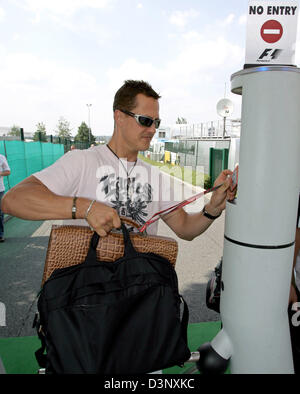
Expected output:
{"points": [[129, 189]]}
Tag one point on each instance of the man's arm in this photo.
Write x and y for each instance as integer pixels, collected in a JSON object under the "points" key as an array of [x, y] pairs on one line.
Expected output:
{"points": [[297, 245], [4, 173], [293, 295], [296, 252], [32, 200], [5, 170], [188, 226]]}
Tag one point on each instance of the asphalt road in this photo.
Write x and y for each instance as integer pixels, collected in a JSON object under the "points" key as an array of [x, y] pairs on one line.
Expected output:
{"points": [[23, 254]]}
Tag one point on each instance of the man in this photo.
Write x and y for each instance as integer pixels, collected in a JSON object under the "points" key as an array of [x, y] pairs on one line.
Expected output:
{"points": [[296, 264], [4, 171], [99, 184], [295, 299], [297, 249]]}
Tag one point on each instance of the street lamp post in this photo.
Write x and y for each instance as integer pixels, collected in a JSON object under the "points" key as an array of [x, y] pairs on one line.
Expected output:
{"points": [[89, 120]]}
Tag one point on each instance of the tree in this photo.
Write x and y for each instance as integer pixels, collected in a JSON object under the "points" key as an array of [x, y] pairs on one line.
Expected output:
{"points": [[83, 134], [181, 121], [63, 128], [41, 128], [15, 130]]}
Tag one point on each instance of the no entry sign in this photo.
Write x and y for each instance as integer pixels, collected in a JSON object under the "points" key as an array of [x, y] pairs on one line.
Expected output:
{"points": [[271, 32]]}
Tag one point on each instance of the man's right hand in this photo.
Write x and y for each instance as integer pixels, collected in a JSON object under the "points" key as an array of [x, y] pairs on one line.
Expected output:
{"points": [[103, 218]]}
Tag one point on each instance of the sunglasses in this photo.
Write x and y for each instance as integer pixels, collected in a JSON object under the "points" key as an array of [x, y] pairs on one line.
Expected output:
{"points": [[143, 120]]}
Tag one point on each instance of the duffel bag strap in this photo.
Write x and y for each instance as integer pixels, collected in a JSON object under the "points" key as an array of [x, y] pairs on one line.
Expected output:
{"points": [[184, 320], [41, 358]]}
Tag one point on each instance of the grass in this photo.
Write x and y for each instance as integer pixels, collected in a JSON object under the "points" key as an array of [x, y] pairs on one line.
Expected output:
{"points": [[187, 174]]}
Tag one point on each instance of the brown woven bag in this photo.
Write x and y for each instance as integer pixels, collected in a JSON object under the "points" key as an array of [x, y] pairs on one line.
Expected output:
{"points": [[68, 246]]}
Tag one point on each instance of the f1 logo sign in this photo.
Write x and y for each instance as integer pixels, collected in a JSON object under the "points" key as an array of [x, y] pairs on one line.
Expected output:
{"points": [[270, 54], [271, 24]]}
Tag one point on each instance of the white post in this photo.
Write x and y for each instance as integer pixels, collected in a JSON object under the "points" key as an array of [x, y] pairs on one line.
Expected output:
{"points": [[260, 224]]}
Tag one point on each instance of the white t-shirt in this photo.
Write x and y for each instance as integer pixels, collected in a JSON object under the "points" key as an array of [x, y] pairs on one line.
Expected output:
{"points": [[135, 190], [3, 167]]}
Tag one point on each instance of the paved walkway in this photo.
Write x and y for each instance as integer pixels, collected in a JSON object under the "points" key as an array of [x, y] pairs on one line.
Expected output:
{"points": [[23, 254]]}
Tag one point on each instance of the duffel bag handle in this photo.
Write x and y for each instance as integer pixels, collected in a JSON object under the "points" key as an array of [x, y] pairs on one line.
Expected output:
{"points": [[128, 246]]}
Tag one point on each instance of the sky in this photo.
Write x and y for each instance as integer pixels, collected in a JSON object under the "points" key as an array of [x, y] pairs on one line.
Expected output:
{"points": [[57, 56]]}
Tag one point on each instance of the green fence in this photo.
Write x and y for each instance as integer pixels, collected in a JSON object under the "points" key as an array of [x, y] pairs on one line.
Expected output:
{"points": [[218, 161], [25, 158], [77, 144]]}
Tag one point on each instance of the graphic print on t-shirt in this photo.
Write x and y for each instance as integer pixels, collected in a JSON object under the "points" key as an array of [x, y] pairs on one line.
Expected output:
{"points": [[128, 196]]}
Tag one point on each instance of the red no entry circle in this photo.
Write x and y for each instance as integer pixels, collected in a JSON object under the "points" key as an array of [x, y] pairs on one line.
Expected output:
{"points": [[271, 31]]}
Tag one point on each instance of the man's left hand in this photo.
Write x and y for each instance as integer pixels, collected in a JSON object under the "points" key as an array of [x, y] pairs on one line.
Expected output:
{"points": [[225, 192]]}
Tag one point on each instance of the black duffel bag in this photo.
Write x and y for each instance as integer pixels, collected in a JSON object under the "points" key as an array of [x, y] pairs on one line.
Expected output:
{"points": [[112, 318]]}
